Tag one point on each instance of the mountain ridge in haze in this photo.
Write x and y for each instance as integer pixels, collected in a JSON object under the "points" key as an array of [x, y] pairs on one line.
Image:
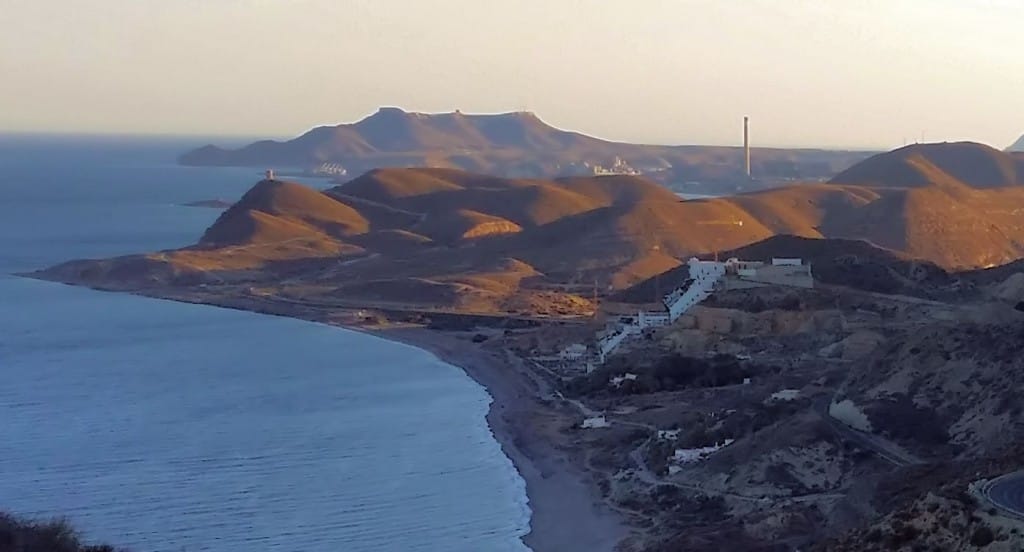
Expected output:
{"points": [[392, 130], [514, 144]]}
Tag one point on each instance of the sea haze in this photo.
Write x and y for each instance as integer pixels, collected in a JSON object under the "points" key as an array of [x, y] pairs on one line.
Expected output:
{"points": [[165, 426]]}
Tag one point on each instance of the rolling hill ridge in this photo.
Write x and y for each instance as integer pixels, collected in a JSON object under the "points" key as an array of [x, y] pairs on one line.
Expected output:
{"points": [[475, 242]]}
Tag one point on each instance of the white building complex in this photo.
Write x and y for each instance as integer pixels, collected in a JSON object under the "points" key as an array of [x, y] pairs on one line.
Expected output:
{"points": [[705, 278], [573, 352]]}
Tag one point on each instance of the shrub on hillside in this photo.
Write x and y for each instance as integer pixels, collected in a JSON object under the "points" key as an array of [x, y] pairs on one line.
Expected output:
{"points": [[17, 535], [982, 537]]}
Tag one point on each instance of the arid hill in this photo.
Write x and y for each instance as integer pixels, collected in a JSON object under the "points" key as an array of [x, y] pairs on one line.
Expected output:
{"points": [[949, 163], [275, 211], [434, 236], [956, 205], [517, 144]]}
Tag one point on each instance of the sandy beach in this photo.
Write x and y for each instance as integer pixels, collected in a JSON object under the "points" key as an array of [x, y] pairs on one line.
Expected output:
{"points": [[567, 513]]}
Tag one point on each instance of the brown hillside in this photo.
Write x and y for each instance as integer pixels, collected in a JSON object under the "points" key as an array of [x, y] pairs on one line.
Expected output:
{"points": [[800, 210], [393, 242], [274, 211], [390, 185], [436, 191], [976, 165], [465, 224], [250, 226], [440, 231], [607, 190]]}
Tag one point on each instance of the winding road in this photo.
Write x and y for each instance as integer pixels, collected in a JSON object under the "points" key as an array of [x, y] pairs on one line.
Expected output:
{"points": [[883, 448], [1007, 494]]}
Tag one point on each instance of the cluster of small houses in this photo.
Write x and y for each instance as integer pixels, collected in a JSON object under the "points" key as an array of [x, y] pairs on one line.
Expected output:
{"points": [[680, 456], [683, 456], [705, 277]]}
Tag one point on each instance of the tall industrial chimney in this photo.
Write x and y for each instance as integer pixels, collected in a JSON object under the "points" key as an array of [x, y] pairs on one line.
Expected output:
{"points": [[746, 145]]}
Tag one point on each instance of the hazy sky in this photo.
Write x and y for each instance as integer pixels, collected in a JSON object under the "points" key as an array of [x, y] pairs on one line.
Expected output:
{"points": [[861, 73]]}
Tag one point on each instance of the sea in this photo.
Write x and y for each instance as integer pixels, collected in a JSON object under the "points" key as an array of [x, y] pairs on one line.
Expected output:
{"points": [[161, 426]]}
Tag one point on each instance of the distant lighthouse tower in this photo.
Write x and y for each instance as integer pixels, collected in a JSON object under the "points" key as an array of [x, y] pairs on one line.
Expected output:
{"points": [[269, 174], [746, 146]]}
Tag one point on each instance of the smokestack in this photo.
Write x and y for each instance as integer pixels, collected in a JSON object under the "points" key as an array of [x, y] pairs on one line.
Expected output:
{"points": [[746, 145]]}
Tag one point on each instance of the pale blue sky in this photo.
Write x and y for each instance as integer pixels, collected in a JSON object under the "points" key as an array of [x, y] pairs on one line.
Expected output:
{"points": [[860, 73]]}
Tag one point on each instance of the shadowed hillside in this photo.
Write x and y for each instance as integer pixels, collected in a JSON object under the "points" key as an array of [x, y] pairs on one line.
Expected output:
{"points": [[852, 263]]}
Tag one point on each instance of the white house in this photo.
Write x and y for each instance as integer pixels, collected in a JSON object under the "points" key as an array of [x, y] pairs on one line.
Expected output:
{"points": [[619, 380], [785, 395], [688, 456], [668, 434], [576, 351]]}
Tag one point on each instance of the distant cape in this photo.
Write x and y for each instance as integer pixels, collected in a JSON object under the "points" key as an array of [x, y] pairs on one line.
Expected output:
{"points": [[392, 131], [511, 145]]}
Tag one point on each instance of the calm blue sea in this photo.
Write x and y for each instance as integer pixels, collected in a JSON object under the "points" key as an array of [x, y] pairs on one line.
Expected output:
{"points": [[170, 427]]}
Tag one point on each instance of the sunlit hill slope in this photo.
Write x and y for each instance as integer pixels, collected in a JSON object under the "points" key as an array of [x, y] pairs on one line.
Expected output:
{"points": [[454, 239]]}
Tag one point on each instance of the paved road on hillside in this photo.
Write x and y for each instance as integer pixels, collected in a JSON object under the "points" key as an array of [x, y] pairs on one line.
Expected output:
{"points": [[1007, 493], [883, 448]]}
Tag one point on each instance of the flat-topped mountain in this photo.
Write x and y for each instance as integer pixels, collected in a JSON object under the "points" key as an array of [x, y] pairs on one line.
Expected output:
{"points": [[517, 144], [393, 131], [476, 242]]}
